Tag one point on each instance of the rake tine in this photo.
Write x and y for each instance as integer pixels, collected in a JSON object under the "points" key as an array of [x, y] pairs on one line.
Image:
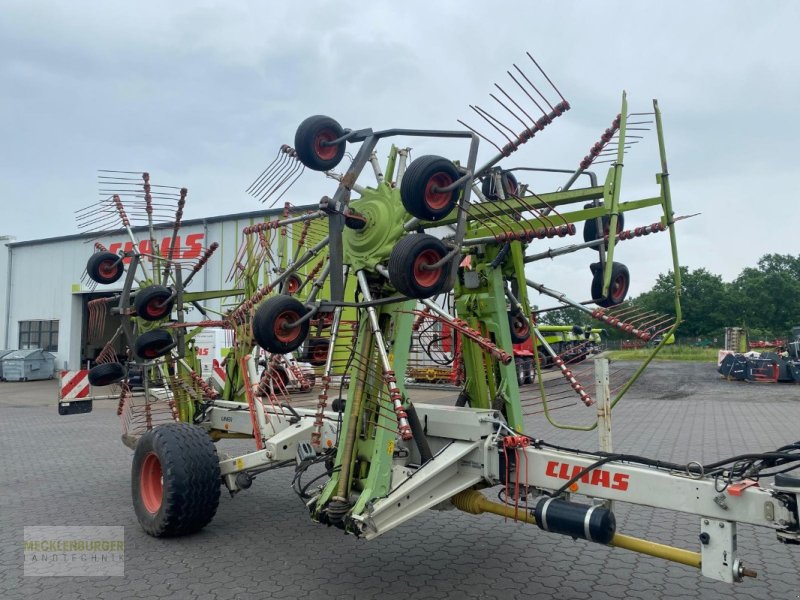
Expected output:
{"points": [[264, 172], [526, 91], [480, 135], [485, 118], [546, 77], [524, 112], [278, 172]]}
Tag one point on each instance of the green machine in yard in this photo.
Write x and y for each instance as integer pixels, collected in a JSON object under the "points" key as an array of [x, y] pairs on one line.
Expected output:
{"points": [[352, 294]]}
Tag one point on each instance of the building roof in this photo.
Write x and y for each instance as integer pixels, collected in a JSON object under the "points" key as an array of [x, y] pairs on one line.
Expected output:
{"points": [[256, 214], [33, 353]]}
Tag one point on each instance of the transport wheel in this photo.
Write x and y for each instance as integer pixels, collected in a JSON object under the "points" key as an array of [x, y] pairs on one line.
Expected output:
{"points": [[270, 324], [520, 331], [590, 232], [106, 374], [510, 186], [104, 267], [617, 291], [418, 190], [292, 284], [153, 302], [311, 143], [175, 480], [406, 263], [153, 344], [317, 353]]}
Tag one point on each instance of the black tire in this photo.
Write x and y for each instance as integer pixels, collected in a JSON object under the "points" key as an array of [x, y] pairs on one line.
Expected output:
{"points": [[106, 374], [406, 261], [416, 189], [153, 344], [269, 320], [510, 186], [175, 480], [153, 303], [317, 351], [104, 267], [309, 139], [590, 232], [520, 330], [617, 291]]}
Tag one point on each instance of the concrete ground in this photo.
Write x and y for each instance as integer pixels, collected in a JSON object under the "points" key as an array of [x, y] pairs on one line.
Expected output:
{"points": [[73, 470]]}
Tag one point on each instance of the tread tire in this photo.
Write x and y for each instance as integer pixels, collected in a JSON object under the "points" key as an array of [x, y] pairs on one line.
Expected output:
{"points": [[267, 318], [306, 143], [147, 300], [618, 290], [153, 344], [190, 479], [104, 268], [414, 188], [106, 374], [402, 261]]}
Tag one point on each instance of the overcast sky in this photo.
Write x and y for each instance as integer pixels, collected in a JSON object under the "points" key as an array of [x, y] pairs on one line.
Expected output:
{"points": [[202, 94]]}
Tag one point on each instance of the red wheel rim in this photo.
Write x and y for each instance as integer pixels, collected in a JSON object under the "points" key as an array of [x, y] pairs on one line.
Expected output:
{"points": [[520, 326], [292, 284], [286, 335], [618, 287], [438, 200], [424, 277], [108, 269], [323, 151], [151, 483], [511, 185], [156, 308], [320, 352]]}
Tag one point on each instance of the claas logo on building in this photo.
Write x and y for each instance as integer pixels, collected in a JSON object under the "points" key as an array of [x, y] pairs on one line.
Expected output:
{"points": [[192, 248]]}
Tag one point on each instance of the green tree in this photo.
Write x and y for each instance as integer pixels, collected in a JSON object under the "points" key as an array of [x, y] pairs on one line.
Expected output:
{"points": [[769, 295], [707, 302]]}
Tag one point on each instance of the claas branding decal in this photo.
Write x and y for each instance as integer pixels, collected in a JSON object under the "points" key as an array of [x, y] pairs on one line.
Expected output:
{"points": [[599, 477], [192, 248]]}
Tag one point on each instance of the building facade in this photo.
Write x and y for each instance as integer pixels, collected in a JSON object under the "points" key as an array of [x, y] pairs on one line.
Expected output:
{"points": [[44, 294]]}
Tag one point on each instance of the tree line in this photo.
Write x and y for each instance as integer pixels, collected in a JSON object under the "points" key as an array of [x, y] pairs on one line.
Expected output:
{"points": [[765, 299]]}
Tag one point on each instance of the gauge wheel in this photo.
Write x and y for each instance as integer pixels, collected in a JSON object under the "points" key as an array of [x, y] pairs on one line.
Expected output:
{"points": [[104, 267], [510, 186], [313, 143], [153, 344], [271, 324], [617, 290], [520, 330], [407, 263], [153, 303], [106, 374], [420, 189]]}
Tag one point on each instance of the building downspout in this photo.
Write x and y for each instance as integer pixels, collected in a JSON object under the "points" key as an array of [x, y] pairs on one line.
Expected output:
{"points": [[205, 241], [8, 294]]}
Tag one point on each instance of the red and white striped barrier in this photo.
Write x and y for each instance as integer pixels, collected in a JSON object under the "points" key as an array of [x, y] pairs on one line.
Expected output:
{"points": [[74, 385]]}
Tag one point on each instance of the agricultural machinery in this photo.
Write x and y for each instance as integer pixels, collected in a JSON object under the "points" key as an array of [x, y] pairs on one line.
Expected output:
{"points": [[434, 242], [766, 362]]}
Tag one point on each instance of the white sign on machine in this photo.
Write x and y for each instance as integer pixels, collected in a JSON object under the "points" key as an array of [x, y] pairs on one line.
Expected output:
{"points": [[211, 344]]}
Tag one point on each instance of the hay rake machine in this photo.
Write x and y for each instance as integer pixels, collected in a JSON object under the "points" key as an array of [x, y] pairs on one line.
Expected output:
{"points": [[350, 297]]}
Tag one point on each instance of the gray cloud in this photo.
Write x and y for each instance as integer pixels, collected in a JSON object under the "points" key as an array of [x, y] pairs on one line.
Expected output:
{"points": [[203, 93]]}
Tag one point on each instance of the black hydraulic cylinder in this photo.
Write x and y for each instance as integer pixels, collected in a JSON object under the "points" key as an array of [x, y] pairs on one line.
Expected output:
{"points": [[592, 523]]}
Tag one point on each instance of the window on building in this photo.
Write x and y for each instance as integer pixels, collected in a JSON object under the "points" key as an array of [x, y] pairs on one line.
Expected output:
{"points": [[38, 334]]}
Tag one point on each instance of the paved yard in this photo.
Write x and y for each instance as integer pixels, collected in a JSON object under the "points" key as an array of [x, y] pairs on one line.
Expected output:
{"points": [[262, 544]]}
